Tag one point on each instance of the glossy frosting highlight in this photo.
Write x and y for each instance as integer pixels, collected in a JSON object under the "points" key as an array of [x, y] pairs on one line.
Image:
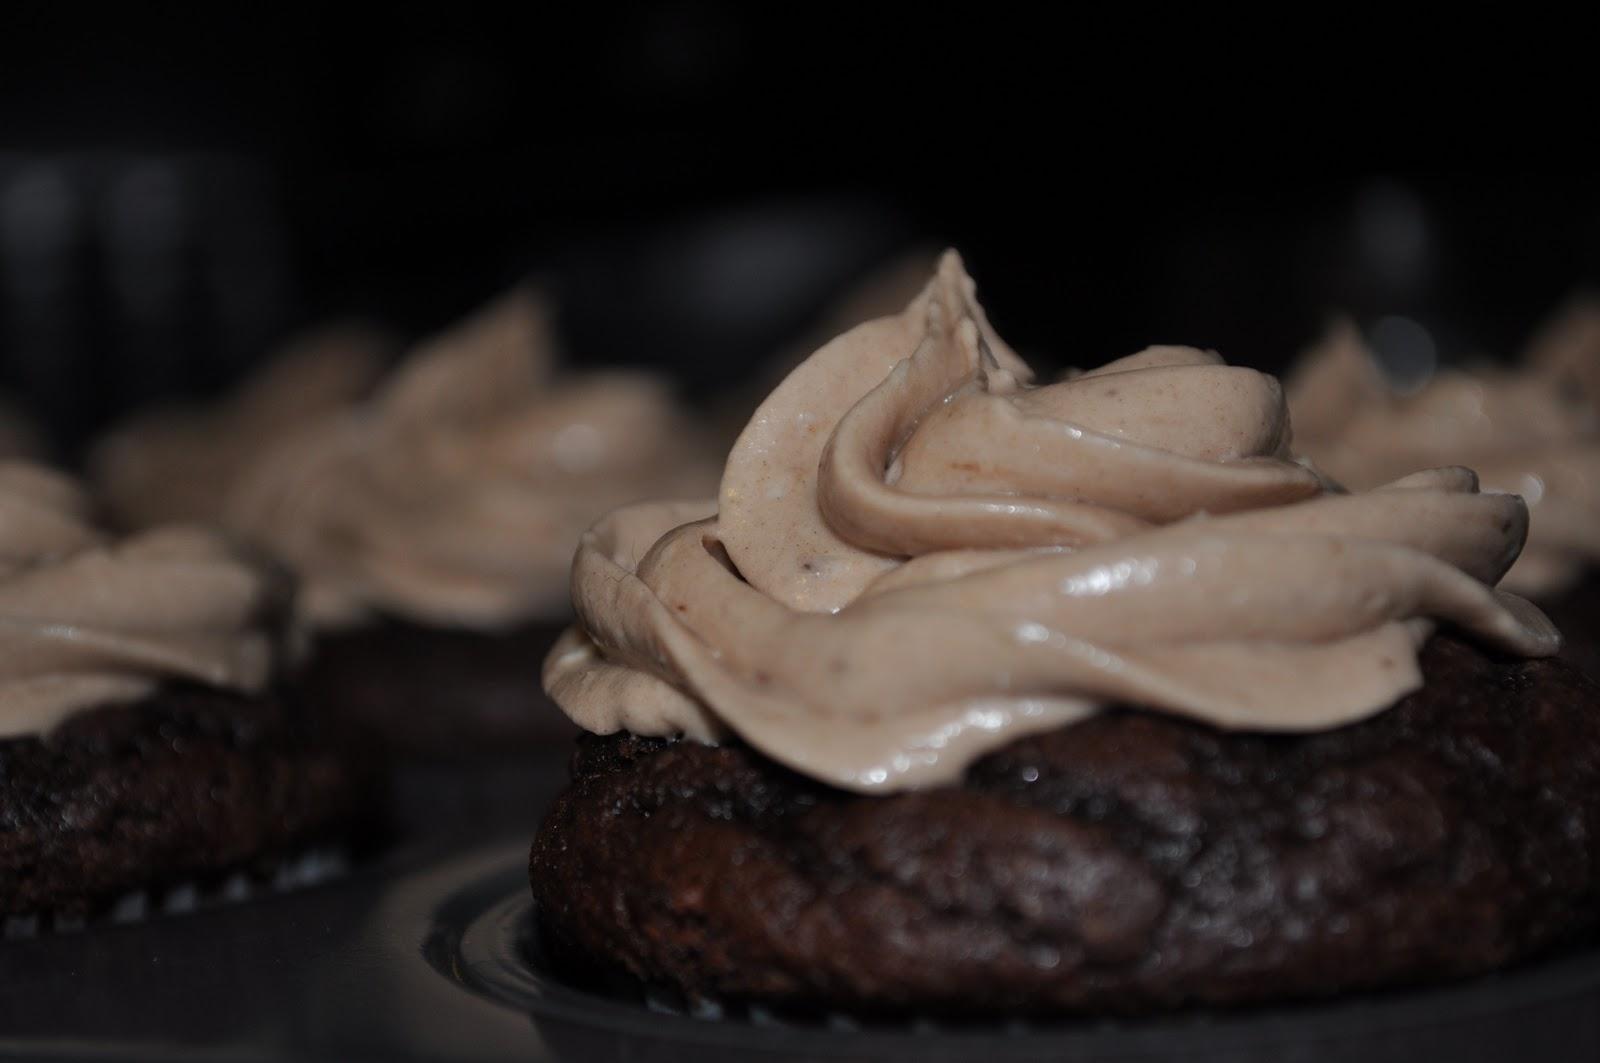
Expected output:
{"points": [[1527, 430], [86, 620], [917, 556]]}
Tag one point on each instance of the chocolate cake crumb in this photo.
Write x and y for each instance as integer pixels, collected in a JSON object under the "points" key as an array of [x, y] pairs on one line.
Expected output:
{"points": [[189, 783], [1129, 863]]}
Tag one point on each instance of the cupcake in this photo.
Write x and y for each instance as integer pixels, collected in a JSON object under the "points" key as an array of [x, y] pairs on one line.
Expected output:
{"points": [[177, 464], [970, 697], [1529, 430], [141, 741], [432, 525]]}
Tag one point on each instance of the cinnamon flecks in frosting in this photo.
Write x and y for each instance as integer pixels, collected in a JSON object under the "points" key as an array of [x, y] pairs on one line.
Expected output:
{"points": [[1526, 430], [86, 620], [917, 556], [882, 291], [454, 496], [178, 464]]}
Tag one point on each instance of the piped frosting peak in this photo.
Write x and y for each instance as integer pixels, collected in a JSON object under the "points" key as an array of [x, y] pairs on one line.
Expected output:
{"points": [[917, 555]]}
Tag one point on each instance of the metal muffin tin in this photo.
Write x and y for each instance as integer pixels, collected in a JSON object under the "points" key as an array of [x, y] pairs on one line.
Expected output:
{"points": [[428, 952]]}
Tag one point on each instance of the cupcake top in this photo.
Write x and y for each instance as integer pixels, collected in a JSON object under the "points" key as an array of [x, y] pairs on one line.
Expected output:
{"points": [[179, 463], [1527, 430], [454, 496], [88, 620], [917, 556]]}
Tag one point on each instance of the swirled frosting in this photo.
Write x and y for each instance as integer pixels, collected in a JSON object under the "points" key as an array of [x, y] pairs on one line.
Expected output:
{"points": [[1525, 430], [179, 463], [88, 621], [884, 290], [917, 556], [455, 495]]}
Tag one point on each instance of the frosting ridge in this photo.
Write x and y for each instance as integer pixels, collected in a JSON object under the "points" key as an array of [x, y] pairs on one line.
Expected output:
{"points": [[1525, 430], [86, 620], [916, 557], [454, 495]]}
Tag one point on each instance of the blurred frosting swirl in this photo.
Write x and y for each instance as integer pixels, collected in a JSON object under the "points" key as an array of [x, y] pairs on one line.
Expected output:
{"points": [[917, 556], [1567, 348], [87, 621], [454, 496], [1528, 431], [179, 463]]}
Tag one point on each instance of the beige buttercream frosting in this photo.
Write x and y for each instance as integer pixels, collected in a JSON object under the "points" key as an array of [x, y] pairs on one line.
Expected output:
{"points": [[1525, 430], [885, 289], [917, 556], [86, 620], [179, 463], [455, 496]]}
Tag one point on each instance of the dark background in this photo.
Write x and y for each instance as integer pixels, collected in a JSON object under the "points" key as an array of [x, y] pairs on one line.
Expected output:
{"points": [[178, 191]]}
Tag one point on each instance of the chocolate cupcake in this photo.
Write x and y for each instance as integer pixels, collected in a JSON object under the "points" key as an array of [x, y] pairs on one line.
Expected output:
{"points": [[969, 696], [141, 743], [1531, 430], [431, 526]]}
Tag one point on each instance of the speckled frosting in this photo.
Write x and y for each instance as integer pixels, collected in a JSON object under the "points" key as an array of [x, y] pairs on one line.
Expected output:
{"points": [[917, 556]]}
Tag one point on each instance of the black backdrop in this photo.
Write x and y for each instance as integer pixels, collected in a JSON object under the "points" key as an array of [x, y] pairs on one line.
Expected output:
{"points": [[178, 191]]}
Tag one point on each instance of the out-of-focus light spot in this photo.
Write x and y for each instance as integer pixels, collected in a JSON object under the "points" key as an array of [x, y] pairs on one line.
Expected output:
{"points": [[579, 448], [1028, 631], [38, 228], [1406, 351], [36, 208], [986, 719], [1392, 230], [1531, 488], [145, 225], [1104, 579], [147, 204]]}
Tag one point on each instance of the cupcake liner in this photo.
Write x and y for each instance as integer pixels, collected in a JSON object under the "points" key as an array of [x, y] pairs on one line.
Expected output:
{"points": [[301, 870], [617, 988]]}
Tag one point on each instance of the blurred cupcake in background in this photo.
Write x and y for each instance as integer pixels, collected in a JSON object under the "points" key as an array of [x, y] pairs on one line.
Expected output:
{"points": [[1532, 429], [178, 463], [431, 523], [144, 737]]}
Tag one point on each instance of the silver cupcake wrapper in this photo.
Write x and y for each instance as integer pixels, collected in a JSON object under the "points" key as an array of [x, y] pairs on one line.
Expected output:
{"points": [[310, 867]]}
